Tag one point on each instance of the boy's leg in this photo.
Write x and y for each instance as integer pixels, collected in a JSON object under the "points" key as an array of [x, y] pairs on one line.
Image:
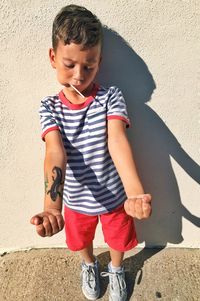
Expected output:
{"points": [[117, 283], [116, 257], [116, 274], [87, 254], [119, 233], [90, 274], [80, 231]]}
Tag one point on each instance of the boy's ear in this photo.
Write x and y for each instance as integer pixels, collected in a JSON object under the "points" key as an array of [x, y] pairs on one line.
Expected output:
{"points": [[100, 60], [52, 58]]}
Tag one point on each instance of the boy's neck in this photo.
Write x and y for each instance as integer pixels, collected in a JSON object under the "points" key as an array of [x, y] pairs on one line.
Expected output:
{"points": [[74, 97]]}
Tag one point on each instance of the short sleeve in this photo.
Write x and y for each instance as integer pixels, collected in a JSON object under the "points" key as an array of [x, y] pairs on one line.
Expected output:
{"points": [[117, 106], [47, 121]]}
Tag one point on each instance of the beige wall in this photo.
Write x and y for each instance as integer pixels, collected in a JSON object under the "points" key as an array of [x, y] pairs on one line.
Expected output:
{"points": [[155, 60]]}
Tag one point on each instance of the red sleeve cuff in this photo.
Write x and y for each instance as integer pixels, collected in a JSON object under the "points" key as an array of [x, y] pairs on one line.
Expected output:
{"points": [[120, 118], [54, 128]]}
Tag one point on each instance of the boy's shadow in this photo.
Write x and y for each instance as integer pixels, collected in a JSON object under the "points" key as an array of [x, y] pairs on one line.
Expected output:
{"points": [[153, 144], [133, 266]]}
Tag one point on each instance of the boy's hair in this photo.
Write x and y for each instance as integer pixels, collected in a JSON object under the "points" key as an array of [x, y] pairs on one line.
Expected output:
{"points": [[76, 24]]}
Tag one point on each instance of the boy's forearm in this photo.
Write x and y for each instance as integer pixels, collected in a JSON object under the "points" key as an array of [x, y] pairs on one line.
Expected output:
{"points": [[122, 157], [54, 174]]}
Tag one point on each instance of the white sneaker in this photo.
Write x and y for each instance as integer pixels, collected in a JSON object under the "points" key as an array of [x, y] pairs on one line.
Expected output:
{"points": [[117, 285], [90, 281]]}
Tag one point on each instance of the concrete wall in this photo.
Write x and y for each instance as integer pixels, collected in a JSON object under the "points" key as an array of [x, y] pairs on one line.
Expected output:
{"points": [[152, 52]]}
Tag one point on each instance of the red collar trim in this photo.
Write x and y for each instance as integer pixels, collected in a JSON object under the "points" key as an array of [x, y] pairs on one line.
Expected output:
{"points": [[88, 100]]}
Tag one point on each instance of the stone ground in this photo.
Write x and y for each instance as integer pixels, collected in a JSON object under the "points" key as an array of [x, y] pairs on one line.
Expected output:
{"points": [[53, 275]]}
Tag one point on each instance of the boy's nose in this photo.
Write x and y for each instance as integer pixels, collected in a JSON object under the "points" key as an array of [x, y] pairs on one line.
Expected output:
{"points": [[78, 74]]}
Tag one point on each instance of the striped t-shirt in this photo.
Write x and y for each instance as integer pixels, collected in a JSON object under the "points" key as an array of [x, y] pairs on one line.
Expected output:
{"points": [[92, 184]]}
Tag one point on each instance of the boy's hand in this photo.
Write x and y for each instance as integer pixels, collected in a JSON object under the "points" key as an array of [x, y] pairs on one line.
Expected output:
{"points": [[48, 222], [138, 206]]}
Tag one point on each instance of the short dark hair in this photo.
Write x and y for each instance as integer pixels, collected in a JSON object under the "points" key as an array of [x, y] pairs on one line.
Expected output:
{"points": [[76, 24]]}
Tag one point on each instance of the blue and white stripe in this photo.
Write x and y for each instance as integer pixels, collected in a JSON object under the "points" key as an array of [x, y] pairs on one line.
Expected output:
{"points": [[92, 184]]}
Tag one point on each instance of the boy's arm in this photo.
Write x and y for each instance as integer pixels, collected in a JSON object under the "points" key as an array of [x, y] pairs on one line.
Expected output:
{"points": [[50, 221], [137, 203]]}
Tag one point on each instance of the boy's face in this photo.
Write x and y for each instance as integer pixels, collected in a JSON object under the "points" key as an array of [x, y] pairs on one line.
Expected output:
{"points": [[74, 65]]}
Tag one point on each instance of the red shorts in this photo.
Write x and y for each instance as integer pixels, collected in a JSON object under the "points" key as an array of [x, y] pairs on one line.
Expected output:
{"points": [[118, 229]]}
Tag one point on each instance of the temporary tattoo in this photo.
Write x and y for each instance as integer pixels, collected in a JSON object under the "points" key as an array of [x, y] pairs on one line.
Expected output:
{"points": [[57, 182], [46, 183]]}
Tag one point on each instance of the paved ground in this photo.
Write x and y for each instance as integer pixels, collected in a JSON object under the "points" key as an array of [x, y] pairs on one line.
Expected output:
{"points": [[53, 275]]}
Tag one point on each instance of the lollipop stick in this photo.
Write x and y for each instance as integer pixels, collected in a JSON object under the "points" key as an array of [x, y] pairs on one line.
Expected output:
{"points": [[77, 91]]}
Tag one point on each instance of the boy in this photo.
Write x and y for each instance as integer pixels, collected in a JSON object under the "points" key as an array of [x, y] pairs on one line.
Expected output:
{"points": [[88, 163]]}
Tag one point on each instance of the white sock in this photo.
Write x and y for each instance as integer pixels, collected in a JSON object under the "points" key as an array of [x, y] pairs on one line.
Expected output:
{"points": [[114, 269], [91, 264]]}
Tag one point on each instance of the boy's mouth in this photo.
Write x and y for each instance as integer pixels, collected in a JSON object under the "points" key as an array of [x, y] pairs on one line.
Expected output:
{"points": [[76, 82], [77, 90]]}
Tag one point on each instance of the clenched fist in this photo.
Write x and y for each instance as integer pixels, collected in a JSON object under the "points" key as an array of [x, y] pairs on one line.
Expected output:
{"points": [[48, 222], [138, 206]]}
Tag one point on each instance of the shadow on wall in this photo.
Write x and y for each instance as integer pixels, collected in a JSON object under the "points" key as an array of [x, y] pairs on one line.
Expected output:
{"points": [[153, 144]]}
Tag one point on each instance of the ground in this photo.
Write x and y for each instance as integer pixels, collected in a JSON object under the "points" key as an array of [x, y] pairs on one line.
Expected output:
{"points": [[54, 275]]}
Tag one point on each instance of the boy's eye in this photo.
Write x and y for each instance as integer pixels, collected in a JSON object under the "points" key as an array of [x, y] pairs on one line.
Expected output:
{"points": [[88, 68], [69, 66]]}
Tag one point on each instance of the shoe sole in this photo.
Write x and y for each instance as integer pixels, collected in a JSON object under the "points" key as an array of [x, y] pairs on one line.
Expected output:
{"points": [[111, 299], [90, 297]]}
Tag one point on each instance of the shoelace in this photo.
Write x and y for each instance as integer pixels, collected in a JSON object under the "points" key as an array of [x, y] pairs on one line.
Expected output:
{"points": [[88, 276], [117, 279]]}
